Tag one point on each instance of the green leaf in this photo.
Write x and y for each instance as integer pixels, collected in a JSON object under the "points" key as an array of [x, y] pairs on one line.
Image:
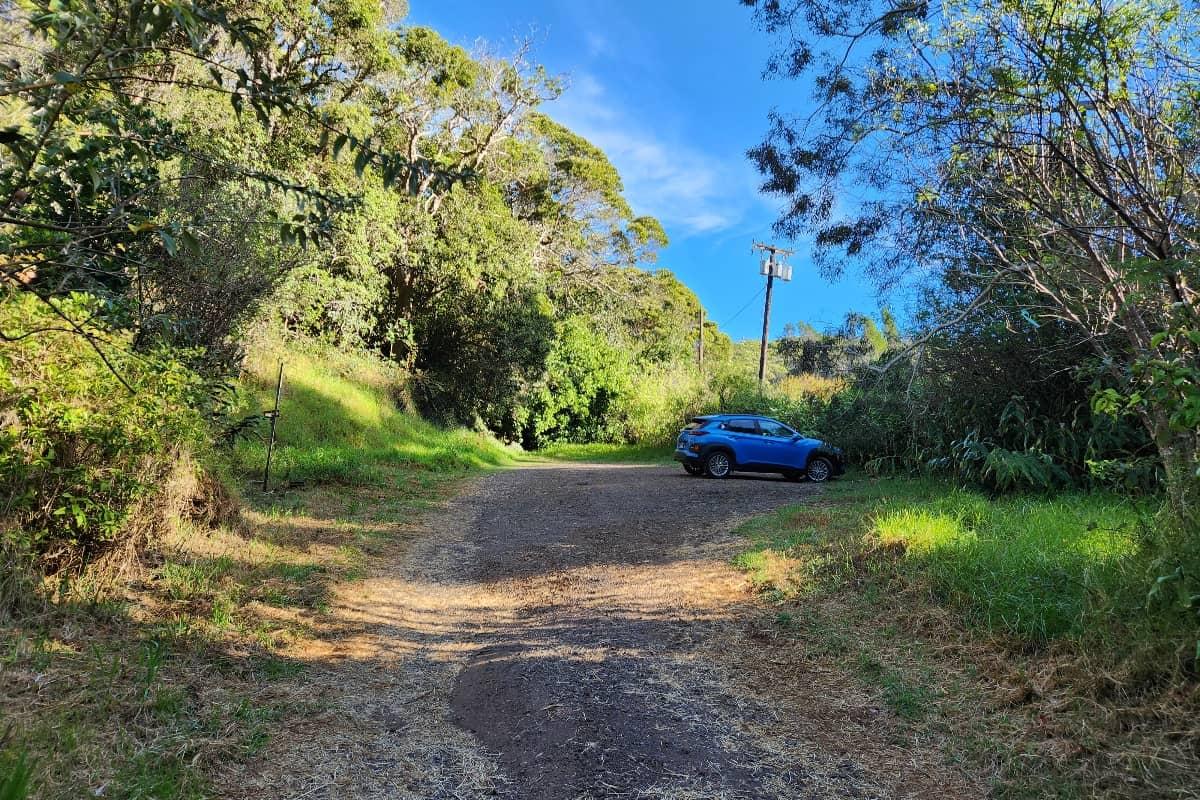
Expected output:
{"points": [[361, 161], [189, 241]]}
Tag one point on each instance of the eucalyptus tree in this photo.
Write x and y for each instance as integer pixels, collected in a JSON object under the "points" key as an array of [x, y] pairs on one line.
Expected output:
{"points": [[575, 197], [1048, 145]]}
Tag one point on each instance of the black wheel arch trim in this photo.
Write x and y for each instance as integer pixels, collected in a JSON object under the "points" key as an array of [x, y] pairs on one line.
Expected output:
{"points": [[826, 453]]}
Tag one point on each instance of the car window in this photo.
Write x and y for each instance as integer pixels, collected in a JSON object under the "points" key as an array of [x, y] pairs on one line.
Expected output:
{"points": [[770, 428], [694, 424], [741, 426]]}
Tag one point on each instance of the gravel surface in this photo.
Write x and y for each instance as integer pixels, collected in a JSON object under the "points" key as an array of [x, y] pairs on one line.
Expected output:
{"points": [[577, 631], [616, 572]]}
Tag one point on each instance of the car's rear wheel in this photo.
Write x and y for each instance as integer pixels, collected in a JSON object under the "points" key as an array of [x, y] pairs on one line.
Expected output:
{"points": [[819, 469], [693, 469], [718, 464]]}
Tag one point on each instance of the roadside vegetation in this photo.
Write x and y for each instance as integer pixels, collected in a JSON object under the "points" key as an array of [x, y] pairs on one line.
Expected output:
{"points": [[1031, 576], [1013, 631], [656, 453], [190, 196], [161, 666]]}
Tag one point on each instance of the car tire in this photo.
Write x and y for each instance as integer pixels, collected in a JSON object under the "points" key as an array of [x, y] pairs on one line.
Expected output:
{"points": [[693, 469], [718, 464], [820, 469]]}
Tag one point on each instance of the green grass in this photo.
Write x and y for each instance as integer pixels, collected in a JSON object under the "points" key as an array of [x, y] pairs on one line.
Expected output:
{"points": [[911, 699], [15, 775], [942, 598], [185, 581], [159, 776], [339, 422], [608, 453], [1039, 568]]}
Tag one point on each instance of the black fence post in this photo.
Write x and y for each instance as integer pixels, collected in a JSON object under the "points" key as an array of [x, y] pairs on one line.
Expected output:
{"points": [[274, 415]]}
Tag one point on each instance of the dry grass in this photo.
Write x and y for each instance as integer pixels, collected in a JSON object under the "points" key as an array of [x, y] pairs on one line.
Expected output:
{"points": [[809, 385], [159, 670]]}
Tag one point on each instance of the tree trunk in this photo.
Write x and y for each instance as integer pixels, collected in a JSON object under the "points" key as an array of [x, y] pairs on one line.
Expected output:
{"points": [[1179, 456]]}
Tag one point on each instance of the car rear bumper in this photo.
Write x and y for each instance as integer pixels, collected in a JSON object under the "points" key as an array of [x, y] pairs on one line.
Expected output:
{"points": [[687, 457]]}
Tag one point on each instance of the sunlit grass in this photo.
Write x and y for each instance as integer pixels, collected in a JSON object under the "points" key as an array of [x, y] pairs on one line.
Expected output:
{"points": [[943, 601], [609, 453], [920, 531], [339, 422], [1037, 567]]}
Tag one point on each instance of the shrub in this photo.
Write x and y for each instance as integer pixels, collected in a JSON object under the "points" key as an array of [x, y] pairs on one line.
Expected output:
{"points": [[659, 402], [794, 404], [586, 377], [80, 445]]}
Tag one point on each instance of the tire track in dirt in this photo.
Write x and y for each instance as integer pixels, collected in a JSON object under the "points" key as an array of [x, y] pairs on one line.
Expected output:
{"points": [[571, 631]]}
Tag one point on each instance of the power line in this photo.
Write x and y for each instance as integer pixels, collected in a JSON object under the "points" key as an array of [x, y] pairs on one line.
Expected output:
{"points": [[757, 295]]}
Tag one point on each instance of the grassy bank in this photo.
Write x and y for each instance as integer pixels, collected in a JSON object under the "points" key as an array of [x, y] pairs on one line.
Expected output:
{"points": [[146, 681], [608, 453], [1014, 632], [339, 421]]}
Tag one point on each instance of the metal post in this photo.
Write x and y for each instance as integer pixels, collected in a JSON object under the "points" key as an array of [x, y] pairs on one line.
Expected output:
{"points": [[274, 415]]}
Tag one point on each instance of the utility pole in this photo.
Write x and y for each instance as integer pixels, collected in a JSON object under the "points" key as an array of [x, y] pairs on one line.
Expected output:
{"points": [[700, 350], [773, 268]]}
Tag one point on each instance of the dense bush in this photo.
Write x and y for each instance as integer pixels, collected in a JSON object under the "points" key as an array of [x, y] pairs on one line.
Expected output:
{"points": [[83, 436], [999, 401], [577, 399]]}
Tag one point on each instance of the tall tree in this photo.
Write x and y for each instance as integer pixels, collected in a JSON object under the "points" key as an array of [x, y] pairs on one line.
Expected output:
{"points": [[1048, 145], [99, 177]]}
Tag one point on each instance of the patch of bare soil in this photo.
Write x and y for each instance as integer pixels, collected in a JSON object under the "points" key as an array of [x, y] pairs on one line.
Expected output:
{"points": [[576, 631]]}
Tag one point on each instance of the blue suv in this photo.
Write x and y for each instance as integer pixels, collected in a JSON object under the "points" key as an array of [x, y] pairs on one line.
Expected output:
{"points": [[717, 445]]}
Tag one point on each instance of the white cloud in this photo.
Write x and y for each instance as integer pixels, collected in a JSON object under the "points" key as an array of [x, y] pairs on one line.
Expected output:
{"points": [[688, 190], [598, 45]]}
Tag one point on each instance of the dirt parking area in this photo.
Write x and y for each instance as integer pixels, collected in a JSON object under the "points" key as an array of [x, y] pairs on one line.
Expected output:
{"points": [[577, 631]]}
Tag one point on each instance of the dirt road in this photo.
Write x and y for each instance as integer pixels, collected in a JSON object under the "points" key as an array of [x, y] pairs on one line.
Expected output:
{"points": [[576, 631]]}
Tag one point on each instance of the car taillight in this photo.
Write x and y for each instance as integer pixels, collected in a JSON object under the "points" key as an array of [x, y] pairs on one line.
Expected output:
{"points": [[694, 448], [698, 433]]}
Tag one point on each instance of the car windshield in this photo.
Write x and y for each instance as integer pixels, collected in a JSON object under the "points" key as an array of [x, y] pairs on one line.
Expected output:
{"points": [[770, 427], [694, 424]]}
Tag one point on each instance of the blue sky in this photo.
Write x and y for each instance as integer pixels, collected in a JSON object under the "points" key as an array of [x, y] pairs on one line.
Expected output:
{"points": [[672, 92]]}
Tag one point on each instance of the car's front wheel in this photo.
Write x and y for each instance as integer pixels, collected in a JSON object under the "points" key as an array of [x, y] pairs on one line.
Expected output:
{"points": [[718, 464], [693, 469], [819, 469]]}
